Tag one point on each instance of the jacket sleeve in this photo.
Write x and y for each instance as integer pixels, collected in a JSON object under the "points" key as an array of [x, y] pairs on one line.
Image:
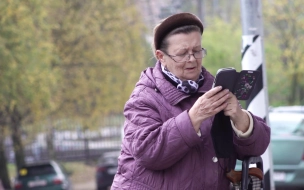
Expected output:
{"points": [[257, 143], [155, 144]]}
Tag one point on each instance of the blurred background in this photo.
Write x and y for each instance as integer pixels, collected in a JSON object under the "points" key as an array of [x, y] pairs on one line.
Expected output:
{"points": [[68, 67]]}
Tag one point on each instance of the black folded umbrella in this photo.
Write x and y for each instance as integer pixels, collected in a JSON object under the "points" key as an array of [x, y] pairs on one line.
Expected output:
{"points": [[222, 135]]}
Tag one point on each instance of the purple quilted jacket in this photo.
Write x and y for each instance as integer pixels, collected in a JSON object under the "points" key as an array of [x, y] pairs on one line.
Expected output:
{"points": [[161, 150]]}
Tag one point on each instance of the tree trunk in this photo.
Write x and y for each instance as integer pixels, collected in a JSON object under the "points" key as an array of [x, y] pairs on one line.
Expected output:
{"points": [[15, 126], [301, 95], [50, 144], [293, 94], [4, 176]]}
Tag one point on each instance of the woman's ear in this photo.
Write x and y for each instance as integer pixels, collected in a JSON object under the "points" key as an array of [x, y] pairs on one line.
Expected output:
{"points": [[160, 55]]}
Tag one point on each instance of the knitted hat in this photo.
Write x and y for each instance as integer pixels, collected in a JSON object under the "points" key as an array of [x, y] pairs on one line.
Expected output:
{"points": [[172, 22]]}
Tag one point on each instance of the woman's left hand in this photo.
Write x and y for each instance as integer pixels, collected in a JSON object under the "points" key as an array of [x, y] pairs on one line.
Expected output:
{"points": [[234, 111]]}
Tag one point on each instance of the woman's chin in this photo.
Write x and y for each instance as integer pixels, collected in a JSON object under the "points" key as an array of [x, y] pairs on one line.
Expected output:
{"points": [[192, 76]]}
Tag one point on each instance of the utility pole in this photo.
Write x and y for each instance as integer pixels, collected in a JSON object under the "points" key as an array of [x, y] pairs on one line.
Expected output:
{"points": [[200, 10], [253, 59], [215, 8]]}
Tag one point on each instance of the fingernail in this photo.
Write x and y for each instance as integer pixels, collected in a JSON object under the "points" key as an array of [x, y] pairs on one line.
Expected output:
{"points": [[219, 87]]}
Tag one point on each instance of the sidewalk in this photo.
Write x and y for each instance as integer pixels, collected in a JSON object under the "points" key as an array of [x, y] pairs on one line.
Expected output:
{"points": [[90, 185], [84, 180]]}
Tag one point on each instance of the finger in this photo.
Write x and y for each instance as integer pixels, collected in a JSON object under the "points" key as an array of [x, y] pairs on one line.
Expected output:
{"points": [[213, 91], [231, 109], [232, 100], [233, 97], [220, 108], [222, 93], [220, 97], [228, 108], [221, 101]]}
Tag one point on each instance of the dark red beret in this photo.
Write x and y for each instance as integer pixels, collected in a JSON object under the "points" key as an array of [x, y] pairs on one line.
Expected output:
{"points": [[172, 22]]}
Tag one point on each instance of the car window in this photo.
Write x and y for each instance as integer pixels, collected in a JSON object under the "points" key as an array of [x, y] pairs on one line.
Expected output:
{"points": [[289, 124], [300, 129], [109, 158], [36, 170], [283, 127]]}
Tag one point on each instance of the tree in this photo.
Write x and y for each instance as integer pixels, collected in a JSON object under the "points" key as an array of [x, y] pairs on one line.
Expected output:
{"points": [[26, 55], [4, 176], [285, 22], [95, 49], [223, 43], [101, 53]]}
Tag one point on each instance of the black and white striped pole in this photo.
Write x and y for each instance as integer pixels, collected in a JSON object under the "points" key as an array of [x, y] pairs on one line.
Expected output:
{"points": [[253, 59]]}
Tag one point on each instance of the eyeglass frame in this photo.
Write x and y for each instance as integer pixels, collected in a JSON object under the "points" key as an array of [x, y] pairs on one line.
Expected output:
{"points": [[203, 50]]}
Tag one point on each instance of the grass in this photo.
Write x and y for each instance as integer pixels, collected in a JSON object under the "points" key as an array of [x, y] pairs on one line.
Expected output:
{"points": [[11, 170]]}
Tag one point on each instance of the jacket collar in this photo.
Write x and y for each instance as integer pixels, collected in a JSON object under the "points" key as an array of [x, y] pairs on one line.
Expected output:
{"points": [[171, 93]]}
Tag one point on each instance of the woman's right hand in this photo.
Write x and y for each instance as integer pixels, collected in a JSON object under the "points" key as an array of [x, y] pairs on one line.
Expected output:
{"points": [[208, 105]]}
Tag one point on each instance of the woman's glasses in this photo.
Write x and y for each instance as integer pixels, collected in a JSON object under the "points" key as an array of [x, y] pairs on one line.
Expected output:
{"points": [[186, 56]]}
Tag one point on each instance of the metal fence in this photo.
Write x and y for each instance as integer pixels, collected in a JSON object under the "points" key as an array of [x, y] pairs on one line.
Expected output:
{"points": [[70, 144]]}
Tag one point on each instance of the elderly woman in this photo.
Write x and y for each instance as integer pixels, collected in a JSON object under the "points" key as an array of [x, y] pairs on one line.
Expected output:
{"points": [[168, 119]]}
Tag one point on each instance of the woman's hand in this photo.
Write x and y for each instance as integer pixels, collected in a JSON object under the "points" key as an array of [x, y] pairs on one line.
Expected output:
{"points": [[234, 111], [208, 105]]}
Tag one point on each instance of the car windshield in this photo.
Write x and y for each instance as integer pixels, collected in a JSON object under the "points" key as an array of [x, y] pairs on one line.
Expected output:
{"points": [[109, 158], [36, 170], [289, 109], [286, 124]]}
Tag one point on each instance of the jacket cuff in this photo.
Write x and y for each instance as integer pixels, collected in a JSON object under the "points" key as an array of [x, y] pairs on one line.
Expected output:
{"points": [[241, 134]]}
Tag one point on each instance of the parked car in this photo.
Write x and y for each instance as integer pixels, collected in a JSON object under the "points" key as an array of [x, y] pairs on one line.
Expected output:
{"points": [[48, 175], [106, 169], [291, 109], [287, 147]]}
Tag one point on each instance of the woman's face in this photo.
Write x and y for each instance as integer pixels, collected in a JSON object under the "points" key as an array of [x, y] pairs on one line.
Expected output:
{"points": [[182, 45]]}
